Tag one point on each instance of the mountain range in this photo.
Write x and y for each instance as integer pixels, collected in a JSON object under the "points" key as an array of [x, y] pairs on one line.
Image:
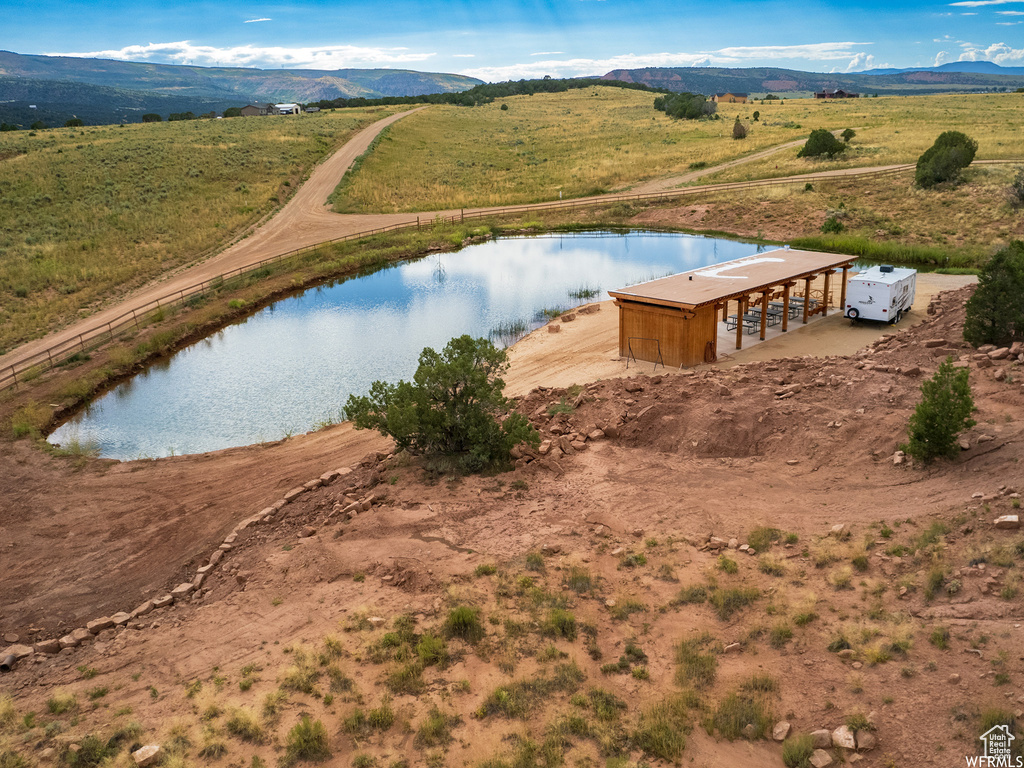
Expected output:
{"points": [[790, 82]]}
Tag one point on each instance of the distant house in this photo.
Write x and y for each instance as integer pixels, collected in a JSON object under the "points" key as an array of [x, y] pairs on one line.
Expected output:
{"points": [[286, 109], [312, 109], [840, 94], [730, 98], [252, 110]]}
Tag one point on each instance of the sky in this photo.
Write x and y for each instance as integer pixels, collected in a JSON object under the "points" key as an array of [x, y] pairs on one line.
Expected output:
{"points": [[515, 39]]}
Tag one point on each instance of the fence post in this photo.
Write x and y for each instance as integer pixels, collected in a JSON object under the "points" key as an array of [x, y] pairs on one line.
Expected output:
{"points": [[136, 319], [110, 329]]}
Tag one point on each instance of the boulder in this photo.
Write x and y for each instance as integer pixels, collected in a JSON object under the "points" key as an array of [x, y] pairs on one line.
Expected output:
{"points": [[120, 618], [838, 530], [843, 737], [18, 651], [821, 739], [545, 447], [820, 758], [147, 755], [81, 635], [377, 621], [182, 590], [1008, 522], [294, 493], [552, 328], [47, 646], [866, 740], [780, 731]]}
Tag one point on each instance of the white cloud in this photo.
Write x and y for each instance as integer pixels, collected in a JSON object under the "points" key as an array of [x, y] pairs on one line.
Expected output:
{"points": [[254, 21], [860, 61], [272, 57], [1008, 23], [735, 56], [1009, 13], [972, 13], [548, 53], [979, 3], [942, 57], [463, 55], [1000, 53]]}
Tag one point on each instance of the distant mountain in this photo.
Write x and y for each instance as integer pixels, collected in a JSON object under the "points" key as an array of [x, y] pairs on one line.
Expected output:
{"points": [[984, 67], [709, 80], [196, 89]]}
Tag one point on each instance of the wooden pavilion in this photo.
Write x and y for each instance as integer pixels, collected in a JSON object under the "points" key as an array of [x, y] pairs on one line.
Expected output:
{"points": [[674, 320]]}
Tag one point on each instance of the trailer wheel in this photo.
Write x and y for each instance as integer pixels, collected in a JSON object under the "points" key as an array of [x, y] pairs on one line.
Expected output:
{"points": [[899, 316], [853, 313]]}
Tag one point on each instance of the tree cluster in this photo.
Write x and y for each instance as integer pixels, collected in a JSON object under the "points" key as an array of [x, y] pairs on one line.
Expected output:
{"points": [[685, 106], [943, 413], [995, 312], [453, 412], [945, 159]]}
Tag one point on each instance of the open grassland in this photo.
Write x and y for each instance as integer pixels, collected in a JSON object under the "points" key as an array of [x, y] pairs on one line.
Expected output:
{"points": [[576, 143], [87, 211], [950, 226], [601, 140], [890, 129]]}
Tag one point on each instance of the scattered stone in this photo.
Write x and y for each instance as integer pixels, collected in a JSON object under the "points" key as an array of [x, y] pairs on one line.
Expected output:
{"points": [[821, 739], [146, 756], [326, 478], [552, 328], [999, 354], [929, 343], [377, 621], [610, 603], [954, 678], [81, 635], [749, 731], [98, 625], [120, 618], [634, 386], [1008, 522], [731, 647], [964, 443], [780, 731], [838, 530], [47, 646], [843, 737], [985, 438], [866, 741], [899, 458], [611, 431], [18, 651], [856, 665], [11, 637], [793, 462], [551, 549], [545, 447], [734, 543], [618, 551], [68, 641], [820, 758], [293, 494], [183, 589], [847, 653], [307, 531], [597, 434], [568, 317]]}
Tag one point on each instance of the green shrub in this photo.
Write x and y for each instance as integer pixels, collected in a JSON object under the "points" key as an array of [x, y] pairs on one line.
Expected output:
{"points": [[994, 313], [92, 751], [939, 637], [832, 226], [432, 650], [762, 537], [696, 667], [560, 623], [579, 579], [943, 413], [780, 634], [464, 622], [797, 751], [738, 709], [450, 409], [307, 740], [729, 601], [692, 595], [727, 564], [383, 717], [945, 159], [61, 702], [436, 729], [244, 724], [821, 142], [662, 729], [407, 678]]}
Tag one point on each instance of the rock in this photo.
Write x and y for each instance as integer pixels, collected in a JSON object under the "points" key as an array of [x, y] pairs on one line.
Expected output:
{"points": [[843, 737], [81, 635], [780, 731], [724, 391], [550, 549], [568, 317], [215, 558], [618, 551], [47, 646], [731, 647], [143, 609], [792, 462], [377, 621], [68, 641], [929, 343], [552, 328], [820, 758], [146, 756], [999, 354], [11, 637], [98, 625], [634, 386], [579, 445], [183, 589], [954, 678], [120, 618], [611, 431], [964, 443], [307, 531], [230, 538], [326, 478], [597, 434], [610, 603], [198, 579], [312, 485], [857, 665], [912, 371], [866, 740], [1008, 522], [48, 754], [717, 543], [734, 544], [545, 447], [821, 739], [293, 494], [749, 731], [899, 458], [985, 438], [838, 530], [846, 653], [999, 375]]}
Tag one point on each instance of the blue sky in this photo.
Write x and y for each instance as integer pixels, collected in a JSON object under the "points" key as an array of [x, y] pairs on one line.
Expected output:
{"points": [[523, 38]]}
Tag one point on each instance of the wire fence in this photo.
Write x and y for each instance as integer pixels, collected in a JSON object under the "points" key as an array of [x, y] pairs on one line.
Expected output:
{"points": [[104, 332]]}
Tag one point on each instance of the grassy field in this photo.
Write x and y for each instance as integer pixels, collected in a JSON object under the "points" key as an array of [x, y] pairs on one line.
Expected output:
{"points": [[578, 143], [86, 211], [602, 140], [891, 129]]}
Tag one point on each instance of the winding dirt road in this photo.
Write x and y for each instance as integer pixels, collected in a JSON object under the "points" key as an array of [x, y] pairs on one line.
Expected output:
{"points": [[306, 220]]}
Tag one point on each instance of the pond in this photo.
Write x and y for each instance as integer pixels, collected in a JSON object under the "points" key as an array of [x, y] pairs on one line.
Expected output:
{"points": [[290, 367]]}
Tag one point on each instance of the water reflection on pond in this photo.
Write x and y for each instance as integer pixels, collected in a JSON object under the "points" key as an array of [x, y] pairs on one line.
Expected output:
{"points": [[292, 365]]}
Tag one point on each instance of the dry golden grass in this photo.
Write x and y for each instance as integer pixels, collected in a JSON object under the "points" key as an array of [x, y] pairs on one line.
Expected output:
{"points": [[890, 130], [577, 143], [88, 210]]}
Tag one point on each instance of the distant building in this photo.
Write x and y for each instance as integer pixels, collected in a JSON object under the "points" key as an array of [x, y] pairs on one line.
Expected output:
{"points": [[252, 110], [840, 94], [286, 109], [312, 109], [730, 98]]}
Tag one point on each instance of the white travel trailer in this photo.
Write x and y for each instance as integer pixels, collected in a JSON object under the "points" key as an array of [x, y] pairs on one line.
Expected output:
{"points": [[882, 293]]}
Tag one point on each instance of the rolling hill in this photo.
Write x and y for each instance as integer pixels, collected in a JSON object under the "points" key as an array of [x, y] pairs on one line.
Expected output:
{"points": [[784, 82], [111, 91]]}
